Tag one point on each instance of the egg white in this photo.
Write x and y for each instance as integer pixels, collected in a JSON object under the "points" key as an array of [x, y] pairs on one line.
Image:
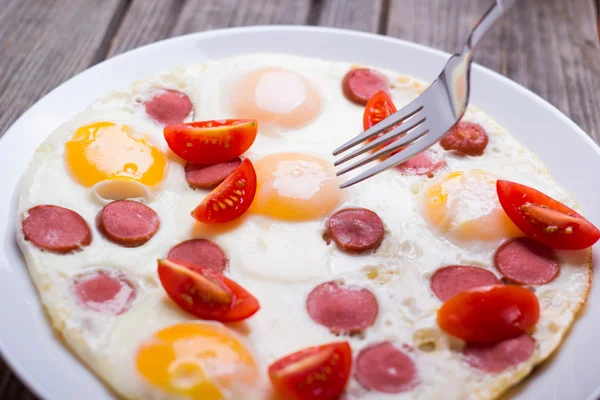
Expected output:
{"points": [[281, 262]]}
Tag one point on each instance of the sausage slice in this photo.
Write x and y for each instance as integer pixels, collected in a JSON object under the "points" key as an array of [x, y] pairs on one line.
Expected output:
{"points": [[56, 229], [526, 262], [201, 252], [449, 281], [421, 164], [355, 230], [104, 291], [342, 309], [466, 138], [209, 176], [500, 356], [360, 84], [386, 369], [168, 107], [128, 223]]}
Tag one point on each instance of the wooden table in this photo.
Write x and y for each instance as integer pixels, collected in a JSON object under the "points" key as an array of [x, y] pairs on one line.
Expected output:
{"points": [[549, 46]]}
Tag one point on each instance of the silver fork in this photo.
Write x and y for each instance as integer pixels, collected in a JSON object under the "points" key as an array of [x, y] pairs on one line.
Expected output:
{"points": [[426, 119]]}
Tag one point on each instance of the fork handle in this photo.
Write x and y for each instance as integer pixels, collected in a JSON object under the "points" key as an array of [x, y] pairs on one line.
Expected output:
{"points": [[496, 12]]}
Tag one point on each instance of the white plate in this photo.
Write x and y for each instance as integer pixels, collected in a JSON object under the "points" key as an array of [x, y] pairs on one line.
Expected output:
{"points": [[29, 345]]}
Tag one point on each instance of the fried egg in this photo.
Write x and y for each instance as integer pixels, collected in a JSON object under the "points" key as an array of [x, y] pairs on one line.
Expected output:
{"points": [[143, 346]]}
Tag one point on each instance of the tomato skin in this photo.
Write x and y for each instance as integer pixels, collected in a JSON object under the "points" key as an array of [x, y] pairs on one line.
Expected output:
{"points": [[532, 211], [231, 198], [379, 107], [205, 293], [314, 373], [489, 314], [211, 142]]}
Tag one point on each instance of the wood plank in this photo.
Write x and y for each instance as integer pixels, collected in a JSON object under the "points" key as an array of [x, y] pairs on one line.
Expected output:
{"points": [[200, 15], [352, 14], [146, 21], [35, 53], [549, 46]]}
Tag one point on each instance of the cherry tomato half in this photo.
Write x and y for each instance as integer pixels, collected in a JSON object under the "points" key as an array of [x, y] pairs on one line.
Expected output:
{"points": [[231, 198], [378, 108], [314, 373], [544, 219], [211, 142], [489, 314], [205, 293]]}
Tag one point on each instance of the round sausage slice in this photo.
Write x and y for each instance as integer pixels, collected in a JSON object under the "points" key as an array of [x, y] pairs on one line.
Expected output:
{"points": [[104, 291], [449, 281], [128, 223], [209, 176], [355, 230], [168, 107], [342, 309], [360, 84], [201, 252], [56, 229], [466, 138], [526, 262], [500, 356], [421, 164], [386, 369]]}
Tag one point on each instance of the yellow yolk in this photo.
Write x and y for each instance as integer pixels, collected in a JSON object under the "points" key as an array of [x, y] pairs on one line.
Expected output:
{"points": [[465, 205], [200, 360], [106, 151], [294, 186], [276, 96]]}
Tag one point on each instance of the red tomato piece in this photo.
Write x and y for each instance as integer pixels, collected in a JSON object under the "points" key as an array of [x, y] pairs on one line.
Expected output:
{"points": [[489, 314], [211, 142], [379, 107], [314, 373], [205, 293], [231, 198], [544, 219]]}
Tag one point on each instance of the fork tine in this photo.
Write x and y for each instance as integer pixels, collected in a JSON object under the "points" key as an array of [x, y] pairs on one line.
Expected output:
{"points": [[378, 154], [404, 113], [424, 143], [394, 133]]}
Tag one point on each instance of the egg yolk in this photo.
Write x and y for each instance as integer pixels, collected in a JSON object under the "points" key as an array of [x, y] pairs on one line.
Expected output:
{"points": [[294, 186], [276, 96], [106, 151], [465, 205], [200, 360]]}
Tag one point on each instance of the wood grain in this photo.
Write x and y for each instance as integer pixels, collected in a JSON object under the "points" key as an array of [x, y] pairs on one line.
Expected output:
{"points": [[38, 52], [549, 46], [352, 14]]}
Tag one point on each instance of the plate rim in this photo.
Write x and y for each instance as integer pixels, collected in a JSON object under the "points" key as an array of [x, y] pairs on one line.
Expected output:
{"points": [[11, 360]]}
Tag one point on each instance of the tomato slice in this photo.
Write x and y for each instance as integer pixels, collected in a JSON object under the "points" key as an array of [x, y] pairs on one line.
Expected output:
{"points": [[205, 293], [489, 314], [379, 107], [544, 219], [315, 373], [231, 198], [211, 142]]}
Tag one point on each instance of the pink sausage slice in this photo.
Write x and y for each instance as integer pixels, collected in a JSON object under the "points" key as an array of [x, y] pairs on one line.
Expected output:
{"points": [[355, 230], [106, 292], [56, 229], [449, 281], [526, 262], [342, 309], [501, 356], [360, 84], [128, 223], [201, 252], [386, 369], [168, 107], [421, 164], [209, 176]]}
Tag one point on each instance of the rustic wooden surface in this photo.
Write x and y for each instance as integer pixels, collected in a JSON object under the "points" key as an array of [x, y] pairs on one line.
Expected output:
{"points": [[549, 46]]}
